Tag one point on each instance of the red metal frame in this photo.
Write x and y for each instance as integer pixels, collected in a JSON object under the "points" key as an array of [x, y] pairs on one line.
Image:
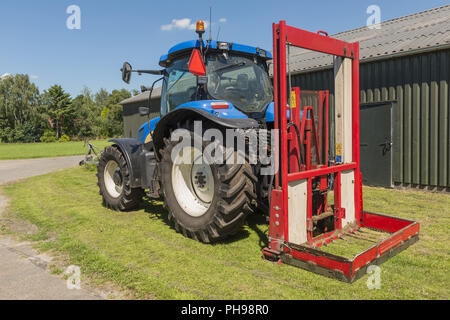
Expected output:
{"points": [[403, 232]]}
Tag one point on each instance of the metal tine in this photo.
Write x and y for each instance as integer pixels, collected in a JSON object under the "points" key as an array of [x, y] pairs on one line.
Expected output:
{"points": [[363, 239], [374, 232], [368, 231], [368, 235], [346, 240], [377, 236]]}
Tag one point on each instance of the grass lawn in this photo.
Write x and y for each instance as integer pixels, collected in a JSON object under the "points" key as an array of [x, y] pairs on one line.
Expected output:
{"points": [[11, 151], [139, 252]]}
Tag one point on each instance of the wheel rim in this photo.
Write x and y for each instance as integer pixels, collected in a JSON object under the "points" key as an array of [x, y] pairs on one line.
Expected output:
{"points": [[113, 179], [193, 184]]}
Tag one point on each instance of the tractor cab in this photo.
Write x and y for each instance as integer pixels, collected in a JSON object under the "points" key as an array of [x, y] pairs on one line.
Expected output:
{"points": [[200, 70], [224, 80]]}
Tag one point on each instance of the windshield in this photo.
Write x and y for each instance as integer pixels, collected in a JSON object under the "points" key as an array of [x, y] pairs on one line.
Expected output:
{"points": [[240, 81], [236, 79], [180, 86]]}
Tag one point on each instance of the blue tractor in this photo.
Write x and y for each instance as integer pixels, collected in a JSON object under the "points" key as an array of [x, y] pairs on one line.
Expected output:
{"points": [[224, 86]]}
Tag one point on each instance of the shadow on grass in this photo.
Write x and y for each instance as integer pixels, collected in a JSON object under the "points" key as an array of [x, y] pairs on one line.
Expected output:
{"points": [[255, 221], [155, 209]]}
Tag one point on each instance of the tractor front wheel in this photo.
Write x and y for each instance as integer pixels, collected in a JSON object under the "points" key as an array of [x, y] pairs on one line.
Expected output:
{"points": [[114, 181], [206, 202]]}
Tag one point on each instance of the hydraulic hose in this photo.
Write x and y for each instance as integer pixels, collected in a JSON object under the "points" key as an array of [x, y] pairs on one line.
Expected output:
{"points": [[301, 159]]}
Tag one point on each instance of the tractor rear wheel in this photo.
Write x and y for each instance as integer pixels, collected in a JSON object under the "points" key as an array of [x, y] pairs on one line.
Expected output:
{"points": [[205, 202], [114, 181]]}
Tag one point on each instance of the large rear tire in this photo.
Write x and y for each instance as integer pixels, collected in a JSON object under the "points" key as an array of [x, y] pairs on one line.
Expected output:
{"points": [[114, 181], [206, 202]]}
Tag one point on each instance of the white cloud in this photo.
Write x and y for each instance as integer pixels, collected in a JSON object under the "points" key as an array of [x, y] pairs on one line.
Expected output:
{"points": [[223, 20], [34, 77], [180, 24]]}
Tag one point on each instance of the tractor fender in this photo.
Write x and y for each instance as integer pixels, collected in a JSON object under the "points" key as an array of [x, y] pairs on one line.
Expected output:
{"points": [[140, 160], [170, 120]]}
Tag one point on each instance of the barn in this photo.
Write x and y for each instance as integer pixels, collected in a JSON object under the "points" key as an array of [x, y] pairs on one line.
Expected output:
{"points": [[132, 120]]}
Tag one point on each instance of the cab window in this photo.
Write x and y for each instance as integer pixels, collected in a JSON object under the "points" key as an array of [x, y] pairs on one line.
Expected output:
{"points": [[181, 85]]}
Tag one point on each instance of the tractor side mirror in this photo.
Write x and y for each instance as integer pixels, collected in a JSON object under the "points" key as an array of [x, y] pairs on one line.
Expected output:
{"points": [[144, 111], [126, 72]]}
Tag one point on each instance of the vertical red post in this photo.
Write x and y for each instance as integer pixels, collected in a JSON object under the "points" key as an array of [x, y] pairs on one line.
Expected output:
{"points": [[327, 128], [355, 131], [294, 144], [337, 201], [320, 128], [308, 143], [276, 102], [283, 123], [309, 205]]}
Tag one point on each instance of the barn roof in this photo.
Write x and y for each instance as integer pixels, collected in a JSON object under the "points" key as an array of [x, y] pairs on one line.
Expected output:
{"points": [[426, 30], [156, 94]]}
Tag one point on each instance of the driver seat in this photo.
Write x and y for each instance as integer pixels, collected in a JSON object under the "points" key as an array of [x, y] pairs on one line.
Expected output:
{"points": [[242, 81]]}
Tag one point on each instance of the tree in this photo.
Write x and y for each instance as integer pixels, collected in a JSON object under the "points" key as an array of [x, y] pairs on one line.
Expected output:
{"points": [[101, 98], [87, 120], [112, 119], [20, 116], [25, 115], [59, 108]]}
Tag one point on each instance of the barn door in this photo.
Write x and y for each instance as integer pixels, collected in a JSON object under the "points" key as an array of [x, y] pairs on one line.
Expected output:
{"points": [[376, 144]]}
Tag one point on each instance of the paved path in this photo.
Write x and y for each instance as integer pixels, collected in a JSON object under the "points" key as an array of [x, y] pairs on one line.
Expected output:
{"points": [[23, 272], [12, 170]]}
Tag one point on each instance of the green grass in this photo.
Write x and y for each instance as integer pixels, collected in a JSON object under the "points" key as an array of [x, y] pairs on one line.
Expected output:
{"points": [[12, 151], [139, 252]]}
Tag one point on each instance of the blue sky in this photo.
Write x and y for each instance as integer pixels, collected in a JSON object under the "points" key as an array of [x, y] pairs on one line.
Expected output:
{"points": [[35, 40]]}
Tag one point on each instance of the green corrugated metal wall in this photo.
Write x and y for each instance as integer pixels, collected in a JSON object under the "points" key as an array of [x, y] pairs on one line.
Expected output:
{"points": [[420, 86], [132, 120]]}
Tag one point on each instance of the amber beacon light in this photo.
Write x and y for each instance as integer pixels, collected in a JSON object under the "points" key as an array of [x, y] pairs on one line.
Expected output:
{"points": [[200, 27]]}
